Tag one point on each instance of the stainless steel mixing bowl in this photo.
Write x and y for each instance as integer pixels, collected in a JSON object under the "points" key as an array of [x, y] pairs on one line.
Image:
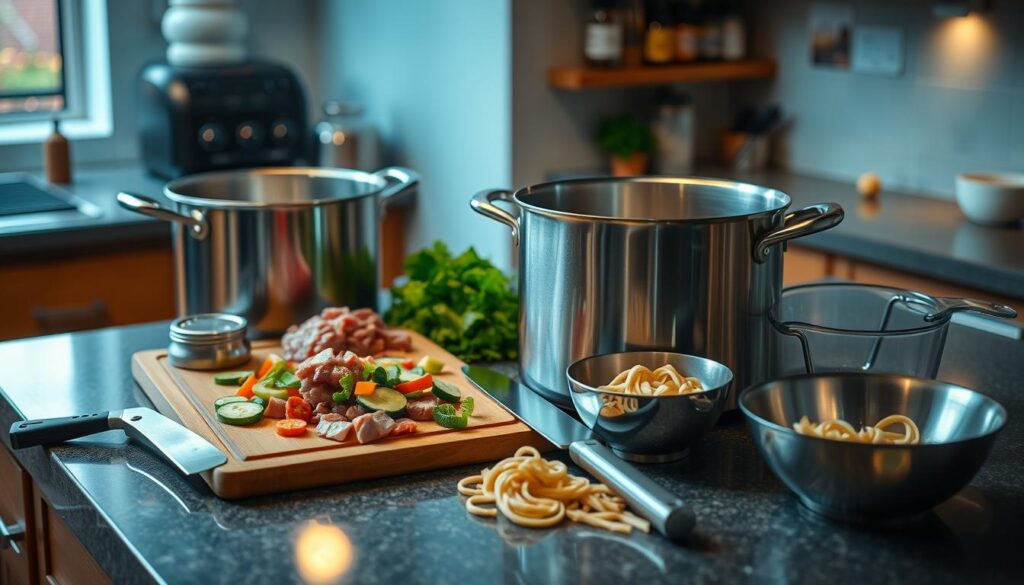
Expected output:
{"points": [[872, 483], [651, 429]]}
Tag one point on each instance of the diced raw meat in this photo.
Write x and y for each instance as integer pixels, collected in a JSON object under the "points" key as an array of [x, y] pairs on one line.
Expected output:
{"points": [[335, 430], [373, 426], [314, 394], [361, 331], [305, 369], [422, 408], [331, 417], [354, 412], [275, 408], [404, 426]]}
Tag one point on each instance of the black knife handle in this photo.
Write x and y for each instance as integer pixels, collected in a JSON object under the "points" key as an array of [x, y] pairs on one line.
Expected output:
{"points": [[47, 431]]}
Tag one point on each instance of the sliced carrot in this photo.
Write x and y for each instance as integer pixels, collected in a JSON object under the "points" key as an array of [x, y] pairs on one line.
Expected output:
{"points": [[246, 388], [267, 364], [290, 427], [365, 388]]}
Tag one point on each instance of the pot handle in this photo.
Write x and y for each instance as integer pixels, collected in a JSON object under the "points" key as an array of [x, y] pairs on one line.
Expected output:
{"points": [[196, 222], [400, 178], [802, 222], [949, 305], [483, 203]]}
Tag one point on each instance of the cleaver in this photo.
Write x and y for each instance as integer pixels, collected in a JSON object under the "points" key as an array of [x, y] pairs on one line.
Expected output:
{"points": [[667, 513], [186, 450]]}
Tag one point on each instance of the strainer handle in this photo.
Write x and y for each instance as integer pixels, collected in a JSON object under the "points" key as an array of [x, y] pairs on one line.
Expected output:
{"points": [[950, 305]]}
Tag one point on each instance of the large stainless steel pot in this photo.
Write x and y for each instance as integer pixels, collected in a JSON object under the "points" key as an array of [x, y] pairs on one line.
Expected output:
{"points": [[275, 245], [687, 265]]}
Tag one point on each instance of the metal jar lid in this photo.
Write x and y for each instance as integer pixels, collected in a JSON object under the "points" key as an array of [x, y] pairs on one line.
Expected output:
{"points": [[208, 341]]}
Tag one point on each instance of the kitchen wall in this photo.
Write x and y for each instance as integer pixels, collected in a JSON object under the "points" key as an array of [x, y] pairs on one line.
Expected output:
{"points": [[282, 31], [555, 131], [958, 106], [435, 79]]}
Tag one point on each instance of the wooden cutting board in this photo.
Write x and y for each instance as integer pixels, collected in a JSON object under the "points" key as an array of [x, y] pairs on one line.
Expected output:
{"points": [[261, 462]]}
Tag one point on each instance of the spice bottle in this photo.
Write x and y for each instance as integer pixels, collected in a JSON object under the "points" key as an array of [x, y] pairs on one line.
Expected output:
{"points": [[57, 157], [687, 34], [659, 41], [711, 34], [734, 37], [602, 45]]}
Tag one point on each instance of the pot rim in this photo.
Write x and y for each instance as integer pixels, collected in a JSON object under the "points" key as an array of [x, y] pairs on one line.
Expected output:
{"points": [[706, 181], [318, 172]]}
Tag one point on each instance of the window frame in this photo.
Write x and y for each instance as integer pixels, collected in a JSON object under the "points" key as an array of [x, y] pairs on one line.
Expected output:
{"points": [[88, 111]]}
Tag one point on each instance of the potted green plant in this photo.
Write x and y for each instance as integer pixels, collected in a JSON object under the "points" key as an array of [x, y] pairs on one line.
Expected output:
{"points": [[629, 142]]}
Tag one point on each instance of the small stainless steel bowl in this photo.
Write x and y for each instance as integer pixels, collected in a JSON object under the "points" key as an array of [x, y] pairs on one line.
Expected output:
{"points": [[866, 483], [208, 341], [656, 428]]}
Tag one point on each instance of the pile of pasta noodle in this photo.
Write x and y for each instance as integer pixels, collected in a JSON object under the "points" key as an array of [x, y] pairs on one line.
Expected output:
{"points": [[534, 492], [666, 380], [840, 430]]}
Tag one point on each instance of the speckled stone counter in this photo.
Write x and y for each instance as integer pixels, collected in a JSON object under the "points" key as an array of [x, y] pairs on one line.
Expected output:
{"points": [[144, 523]]}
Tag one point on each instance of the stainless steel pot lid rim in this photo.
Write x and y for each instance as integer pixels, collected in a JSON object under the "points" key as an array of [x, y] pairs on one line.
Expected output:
{"points": [[273, 187], [208, 327], [672, 200]]}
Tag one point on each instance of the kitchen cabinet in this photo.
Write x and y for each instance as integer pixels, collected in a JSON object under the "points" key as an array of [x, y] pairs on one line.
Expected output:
{"points": [[62, 558], [804, 265], [38, 546], [116, 287], [17, 552]]}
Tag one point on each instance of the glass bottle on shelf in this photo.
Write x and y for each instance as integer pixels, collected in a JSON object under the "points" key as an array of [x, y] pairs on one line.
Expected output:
{"points": [[659, 41], [734, 35], [711, 34], [602, 44], [687, 34]]}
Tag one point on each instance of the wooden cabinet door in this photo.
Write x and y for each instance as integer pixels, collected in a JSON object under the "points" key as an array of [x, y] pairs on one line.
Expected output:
{"points": [[63, 559], [17, 559]]}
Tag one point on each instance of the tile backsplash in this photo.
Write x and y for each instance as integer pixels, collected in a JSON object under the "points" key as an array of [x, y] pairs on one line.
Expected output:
{"points": [[957, 106]]}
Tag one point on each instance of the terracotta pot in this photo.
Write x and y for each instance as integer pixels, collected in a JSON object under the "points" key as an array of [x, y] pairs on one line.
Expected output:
{"points": [[631, 166]]}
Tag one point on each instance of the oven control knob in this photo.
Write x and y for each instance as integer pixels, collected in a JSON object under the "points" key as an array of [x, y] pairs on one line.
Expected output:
{"points": [[249, 135], [212, 137], [282, 132]]}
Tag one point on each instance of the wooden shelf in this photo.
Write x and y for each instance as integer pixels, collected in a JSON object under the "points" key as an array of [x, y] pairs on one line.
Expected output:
{"points": [[580, 78]]}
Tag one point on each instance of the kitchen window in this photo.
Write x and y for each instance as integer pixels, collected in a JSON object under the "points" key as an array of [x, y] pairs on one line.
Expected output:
{"points": [[54, 63]]}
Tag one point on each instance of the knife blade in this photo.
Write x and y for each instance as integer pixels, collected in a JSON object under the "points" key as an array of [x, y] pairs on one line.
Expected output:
{"points": [[667, 513], [186, 450]]}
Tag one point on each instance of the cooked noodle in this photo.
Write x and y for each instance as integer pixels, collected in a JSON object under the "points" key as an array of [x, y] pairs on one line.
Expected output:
{"points": [[639, 380], [840, 430], [534, 492]]}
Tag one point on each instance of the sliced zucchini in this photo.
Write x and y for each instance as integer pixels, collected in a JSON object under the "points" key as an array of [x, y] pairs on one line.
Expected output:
{"points": [[266, 390], [408, 376], [228, 399], [240, 413], [447, 391], [390, 401], [260, 401], [231, 378]]}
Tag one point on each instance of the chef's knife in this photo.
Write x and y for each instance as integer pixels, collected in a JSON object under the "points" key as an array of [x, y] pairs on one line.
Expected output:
{"points": [[189, 452], [667, 513]]}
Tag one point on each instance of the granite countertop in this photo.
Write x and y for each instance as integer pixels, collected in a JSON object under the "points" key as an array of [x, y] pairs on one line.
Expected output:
{"points": [[143, 522], [73, 232], [919, 235]]}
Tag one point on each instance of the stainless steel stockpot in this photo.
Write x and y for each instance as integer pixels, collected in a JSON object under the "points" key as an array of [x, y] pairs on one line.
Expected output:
{"points": [[688, 265], [275, 245]]}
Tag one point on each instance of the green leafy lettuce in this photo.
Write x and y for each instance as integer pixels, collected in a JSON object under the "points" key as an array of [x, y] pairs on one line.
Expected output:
{"points": [[463, 303]]}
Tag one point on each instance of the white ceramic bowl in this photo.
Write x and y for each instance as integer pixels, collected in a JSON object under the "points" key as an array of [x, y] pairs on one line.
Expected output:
{"points": [[991, 198]]}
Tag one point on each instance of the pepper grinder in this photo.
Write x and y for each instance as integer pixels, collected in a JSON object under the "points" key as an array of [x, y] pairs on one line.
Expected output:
{"points": [[57, 157]]}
